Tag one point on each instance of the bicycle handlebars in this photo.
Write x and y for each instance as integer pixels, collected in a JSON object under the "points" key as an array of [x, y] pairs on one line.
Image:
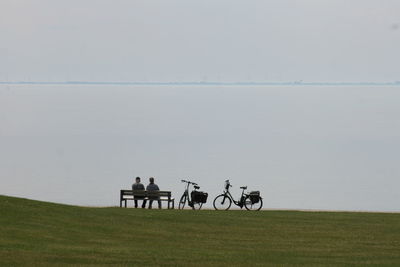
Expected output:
{"points": [[189, 182], [228, 183]]}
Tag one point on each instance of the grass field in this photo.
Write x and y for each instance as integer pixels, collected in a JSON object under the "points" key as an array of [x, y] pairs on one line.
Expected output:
{"points": [[34, 233]]}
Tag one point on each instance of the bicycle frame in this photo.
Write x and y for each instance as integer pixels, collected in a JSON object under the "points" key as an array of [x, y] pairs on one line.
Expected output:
{"points": [[251, 201], [237, 203], [186, 193], [186, 197]]}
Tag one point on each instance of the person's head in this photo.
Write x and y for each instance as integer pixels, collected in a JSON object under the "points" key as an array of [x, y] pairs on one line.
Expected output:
{"points": [[137, 179], [151, 180]]}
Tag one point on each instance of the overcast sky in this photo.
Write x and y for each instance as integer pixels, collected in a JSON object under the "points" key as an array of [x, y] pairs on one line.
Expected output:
{"points": [[208, 40], [302, 147]]}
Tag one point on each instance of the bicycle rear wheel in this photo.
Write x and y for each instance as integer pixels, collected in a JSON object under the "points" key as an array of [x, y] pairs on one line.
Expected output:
{"points": [[249, 205], [182, 202], [197, 205], [222, 202]]}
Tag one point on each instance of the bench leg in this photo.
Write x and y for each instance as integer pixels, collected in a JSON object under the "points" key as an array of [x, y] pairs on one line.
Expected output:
{"points": [[125, 203]]}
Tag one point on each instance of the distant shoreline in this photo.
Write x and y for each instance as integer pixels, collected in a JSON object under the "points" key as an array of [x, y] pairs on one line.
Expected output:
{"points": [[299, 83]]}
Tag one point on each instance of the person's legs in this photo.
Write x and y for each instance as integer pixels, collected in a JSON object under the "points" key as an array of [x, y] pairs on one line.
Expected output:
{"points": [[159, 204], [144, 204], [136, 203], [150, 203]]}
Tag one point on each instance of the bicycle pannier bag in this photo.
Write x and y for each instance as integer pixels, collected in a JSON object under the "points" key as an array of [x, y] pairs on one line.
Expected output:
{"points": [[199, 196], [254, 196]]}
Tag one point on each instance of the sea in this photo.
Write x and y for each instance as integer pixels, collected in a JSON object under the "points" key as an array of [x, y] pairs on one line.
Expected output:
{"points": [[304, 146]]}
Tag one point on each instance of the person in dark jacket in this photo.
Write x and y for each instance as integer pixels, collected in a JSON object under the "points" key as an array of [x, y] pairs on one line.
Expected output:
{"points": [[138, 186], [153, 187]]}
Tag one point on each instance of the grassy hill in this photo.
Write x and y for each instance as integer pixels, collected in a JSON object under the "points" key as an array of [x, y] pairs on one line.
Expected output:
{"points": [[41, 233]]}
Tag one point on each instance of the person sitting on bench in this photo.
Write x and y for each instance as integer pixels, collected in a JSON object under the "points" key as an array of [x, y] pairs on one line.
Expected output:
{"points": [[153, 187], [138, 186]]}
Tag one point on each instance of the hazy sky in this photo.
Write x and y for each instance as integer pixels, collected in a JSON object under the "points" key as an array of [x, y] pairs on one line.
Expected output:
{"points": [[187, 40], [302, 147]]}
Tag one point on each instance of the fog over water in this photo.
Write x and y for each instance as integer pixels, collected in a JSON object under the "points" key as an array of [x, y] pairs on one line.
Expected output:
{"points": [[303, 147]]}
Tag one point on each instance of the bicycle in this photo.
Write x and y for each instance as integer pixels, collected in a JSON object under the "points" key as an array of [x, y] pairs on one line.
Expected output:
{"points": [[251, 201], [195, 199]]}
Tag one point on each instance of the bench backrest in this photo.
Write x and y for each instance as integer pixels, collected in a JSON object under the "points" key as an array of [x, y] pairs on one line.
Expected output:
{"points": [[143, 193]]}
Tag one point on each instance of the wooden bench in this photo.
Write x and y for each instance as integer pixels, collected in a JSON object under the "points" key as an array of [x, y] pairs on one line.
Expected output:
{"points": [[126, 195]]}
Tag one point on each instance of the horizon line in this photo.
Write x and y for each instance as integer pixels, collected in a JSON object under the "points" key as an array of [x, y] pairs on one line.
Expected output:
{"points": [[203, 83]]}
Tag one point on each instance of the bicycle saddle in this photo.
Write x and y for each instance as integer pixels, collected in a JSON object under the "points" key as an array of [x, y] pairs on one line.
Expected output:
{"points": [[196, 187], [243, 187]]}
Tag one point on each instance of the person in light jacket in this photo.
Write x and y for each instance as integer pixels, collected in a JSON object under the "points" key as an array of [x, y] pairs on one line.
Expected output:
{"points": [[153, 187]]}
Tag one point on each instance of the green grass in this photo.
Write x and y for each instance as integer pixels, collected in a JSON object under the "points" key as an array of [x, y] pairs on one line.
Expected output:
{"points": [[34, 233]]}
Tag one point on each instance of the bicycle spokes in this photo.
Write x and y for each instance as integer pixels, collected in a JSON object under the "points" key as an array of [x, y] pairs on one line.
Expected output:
{"points": [[250, 204], [222, 202]]}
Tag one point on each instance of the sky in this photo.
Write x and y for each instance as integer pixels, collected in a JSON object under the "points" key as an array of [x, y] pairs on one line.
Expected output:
{"points": [[188, 40], [303, 147]]}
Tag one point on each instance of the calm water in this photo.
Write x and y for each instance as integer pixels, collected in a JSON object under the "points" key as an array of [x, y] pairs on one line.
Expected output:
{"points": [[302, 147]]}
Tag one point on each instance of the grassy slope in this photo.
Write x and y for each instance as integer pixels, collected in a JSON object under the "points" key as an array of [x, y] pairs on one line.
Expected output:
{"points": [[52, 234]]}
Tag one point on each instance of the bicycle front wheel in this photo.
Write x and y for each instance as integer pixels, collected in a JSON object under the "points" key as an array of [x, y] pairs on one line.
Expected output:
{"points": [[249, 205], [222, 202], [182, 202]]}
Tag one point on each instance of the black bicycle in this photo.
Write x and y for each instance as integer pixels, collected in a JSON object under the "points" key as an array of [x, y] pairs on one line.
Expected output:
{"points": [[195, 199], [251, 201]]}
